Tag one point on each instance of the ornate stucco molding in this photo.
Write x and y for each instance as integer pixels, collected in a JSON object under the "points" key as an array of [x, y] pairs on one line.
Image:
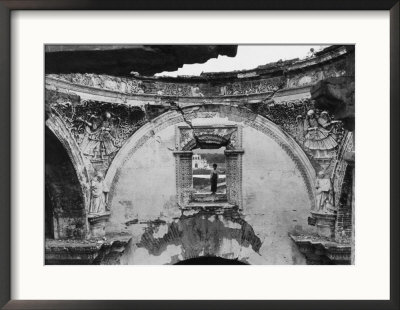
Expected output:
{"points": [[99, 129]]}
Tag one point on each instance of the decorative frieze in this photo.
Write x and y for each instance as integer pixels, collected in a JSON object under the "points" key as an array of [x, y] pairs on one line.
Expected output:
{"points": [[134, 86], [114, 83], [252, 87]]}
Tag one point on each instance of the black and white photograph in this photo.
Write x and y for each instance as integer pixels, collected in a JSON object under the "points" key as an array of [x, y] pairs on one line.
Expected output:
{"points": [[199, 154]]}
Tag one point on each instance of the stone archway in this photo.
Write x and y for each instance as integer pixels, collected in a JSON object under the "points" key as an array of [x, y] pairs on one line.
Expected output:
{"points": [[67, 180], [232, 113], [57, 126]]}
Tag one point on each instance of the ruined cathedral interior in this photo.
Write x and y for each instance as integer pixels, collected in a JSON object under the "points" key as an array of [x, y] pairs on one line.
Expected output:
{"points": [[124, 148]]}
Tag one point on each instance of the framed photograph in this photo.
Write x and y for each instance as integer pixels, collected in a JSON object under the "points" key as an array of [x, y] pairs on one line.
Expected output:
{"points": [[203, 156]]}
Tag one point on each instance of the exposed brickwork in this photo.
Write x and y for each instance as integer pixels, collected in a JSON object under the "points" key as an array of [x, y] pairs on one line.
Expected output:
{"points": [[344, 213]]}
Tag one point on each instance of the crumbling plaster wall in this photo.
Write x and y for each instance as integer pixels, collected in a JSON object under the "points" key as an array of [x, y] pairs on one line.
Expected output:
{"points": [[275, 200], [274, 194], [146, 183], [275, 197]]}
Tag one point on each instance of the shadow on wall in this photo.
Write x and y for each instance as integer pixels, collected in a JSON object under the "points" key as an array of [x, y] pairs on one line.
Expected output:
{"points": [[198, 235]]}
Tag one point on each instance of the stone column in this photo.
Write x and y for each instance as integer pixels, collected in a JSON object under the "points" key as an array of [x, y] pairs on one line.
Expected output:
{"points": [[184, 177], [234, 177]]}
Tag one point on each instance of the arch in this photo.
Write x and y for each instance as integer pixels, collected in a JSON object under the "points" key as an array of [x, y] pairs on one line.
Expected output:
{"points": [[67, 182], [232, 113], [57, 126]]}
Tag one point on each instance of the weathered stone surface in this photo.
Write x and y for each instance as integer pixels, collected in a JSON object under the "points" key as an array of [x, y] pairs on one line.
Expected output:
{"points": [[71, 253], [121, 60], [336, 93], [320, 251], [127, 128], [337, 96], [97, 224], [85, 252]]}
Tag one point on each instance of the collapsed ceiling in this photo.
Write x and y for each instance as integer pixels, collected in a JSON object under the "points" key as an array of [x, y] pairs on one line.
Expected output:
{"points": [[123, 60]]}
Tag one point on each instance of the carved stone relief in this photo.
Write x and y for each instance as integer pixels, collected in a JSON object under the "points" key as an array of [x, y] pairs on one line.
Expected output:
{"points": [[133, 86], [324, 195], [100, 129], [171, 89], [286, 114], [316, 131], [99, 192]]}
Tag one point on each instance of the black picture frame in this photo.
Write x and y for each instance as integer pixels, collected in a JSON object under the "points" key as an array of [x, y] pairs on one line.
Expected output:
{"points": [[6, 7]]}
